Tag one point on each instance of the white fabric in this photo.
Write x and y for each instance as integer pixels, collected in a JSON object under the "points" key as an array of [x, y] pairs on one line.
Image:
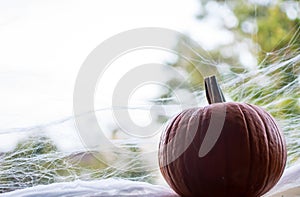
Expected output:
{"points": [[106, 187]]}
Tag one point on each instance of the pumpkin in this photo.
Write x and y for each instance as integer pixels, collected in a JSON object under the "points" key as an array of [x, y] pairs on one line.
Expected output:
{"points": [[223, 149]]}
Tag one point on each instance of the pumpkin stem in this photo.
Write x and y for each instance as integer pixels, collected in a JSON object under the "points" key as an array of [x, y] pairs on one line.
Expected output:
{"points": [[213, 92]]}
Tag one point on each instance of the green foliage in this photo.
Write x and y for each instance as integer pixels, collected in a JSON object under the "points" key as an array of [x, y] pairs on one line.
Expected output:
{"points": [[276, 30], [17, 173]]}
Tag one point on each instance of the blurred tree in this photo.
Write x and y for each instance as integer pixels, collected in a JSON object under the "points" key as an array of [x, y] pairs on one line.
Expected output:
{"points": [[270, 25]]}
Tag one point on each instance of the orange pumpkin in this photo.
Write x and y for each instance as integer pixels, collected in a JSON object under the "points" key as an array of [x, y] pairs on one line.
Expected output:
{"points": [[241, 152]]}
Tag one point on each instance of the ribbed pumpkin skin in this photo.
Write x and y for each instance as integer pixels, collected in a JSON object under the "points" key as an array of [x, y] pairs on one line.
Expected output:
{"points": [[247, 160]]}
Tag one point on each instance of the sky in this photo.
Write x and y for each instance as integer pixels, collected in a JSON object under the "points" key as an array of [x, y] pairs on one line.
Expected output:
{"points": [[44, 43]]}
